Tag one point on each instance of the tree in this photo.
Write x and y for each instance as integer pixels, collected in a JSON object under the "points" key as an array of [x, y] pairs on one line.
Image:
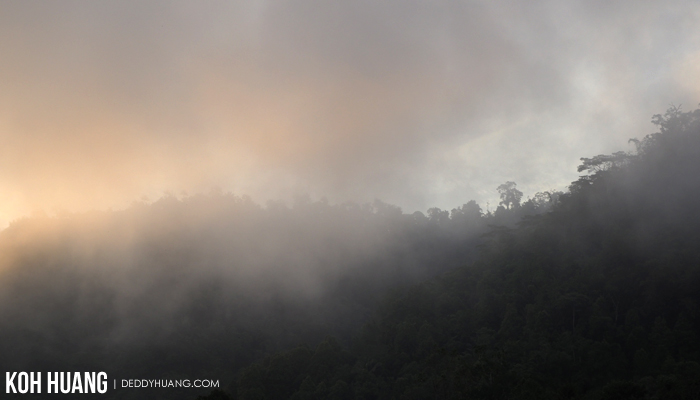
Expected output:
{"points": [[604, 162], [510, 196], [438, 216], [470, 212]]}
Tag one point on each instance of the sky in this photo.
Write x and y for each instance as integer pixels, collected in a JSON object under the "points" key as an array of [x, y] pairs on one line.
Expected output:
{"points": [[416, 103]]}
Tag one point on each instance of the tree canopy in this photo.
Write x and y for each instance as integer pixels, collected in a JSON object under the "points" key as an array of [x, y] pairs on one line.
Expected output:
{"points": [[510, 195], [597, 298]]}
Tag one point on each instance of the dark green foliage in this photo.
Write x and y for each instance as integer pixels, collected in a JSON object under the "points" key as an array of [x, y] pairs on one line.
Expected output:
{"points": [[203, 286], [216, 395], [596, 299], [589, 294], [299, 373]]}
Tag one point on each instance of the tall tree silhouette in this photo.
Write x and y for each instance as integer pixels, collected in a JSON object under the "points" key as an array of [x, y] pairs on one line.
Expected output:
{"points": [[510, 196]]}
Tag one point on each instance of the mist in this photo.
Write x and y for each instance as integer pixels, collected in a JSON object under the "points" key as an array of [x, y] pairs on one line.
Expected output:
{"points": [[420, 106], [405, 196], [158, 287]]}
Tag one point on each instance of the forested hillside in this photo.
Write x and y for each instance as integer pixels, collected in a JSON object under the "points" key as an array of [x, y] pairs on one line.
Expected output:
{"points": [[596, 299], [201, 286], [588, 294]]}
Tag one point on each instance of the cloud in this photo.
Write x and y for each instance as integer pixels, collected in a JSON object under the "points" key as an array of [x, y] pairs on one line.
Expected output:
{"points": [[418, 104]]}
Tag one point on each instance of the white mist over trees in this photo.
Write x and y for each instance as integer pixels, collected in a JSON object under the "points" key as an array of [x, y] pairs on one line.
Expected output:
{"points": [[597, 299], [209, 284], [126, 291]]}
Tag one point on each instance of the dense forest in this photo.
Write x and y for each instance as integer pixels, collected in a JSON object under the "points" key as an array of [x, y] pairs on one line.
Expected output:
{"points": [[202, 286], [590, 293], [596, 298]]}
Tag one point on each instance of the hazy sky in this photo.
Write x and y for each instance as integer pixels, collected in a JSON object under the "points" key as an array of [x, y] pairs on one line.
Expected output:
{"points": [[418, 103]]}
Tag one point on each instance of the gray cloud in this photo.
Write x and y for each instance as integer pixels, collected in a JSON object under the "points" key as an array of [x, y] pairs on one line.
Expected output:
{"points": [[416, 103]]}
